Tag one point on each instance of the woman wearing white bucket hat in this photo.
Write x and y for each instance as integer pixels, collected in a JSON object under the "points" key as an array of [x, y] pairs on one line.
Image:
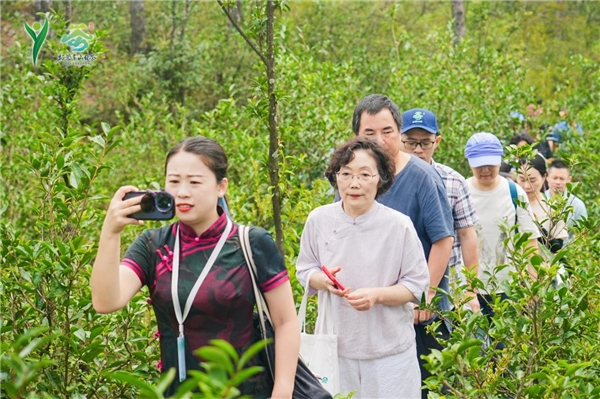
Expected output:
{"points": [[492, 197]]}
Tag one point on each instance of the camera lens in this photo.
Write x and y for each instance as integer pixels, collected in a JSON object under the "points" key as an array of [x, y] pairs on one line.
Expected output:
{"points": [[164, 202], [147, 202]]}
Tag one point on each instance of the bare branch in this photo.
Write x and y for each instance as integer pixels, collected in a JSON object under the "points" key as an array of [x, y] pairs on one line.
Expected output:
{"points": [[246, 38]]}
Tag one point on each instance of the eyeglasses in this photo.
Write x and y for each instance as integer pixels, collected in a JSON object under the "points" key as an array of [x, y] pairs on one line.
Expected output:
{"points": [[412, 145], [363, 176]]}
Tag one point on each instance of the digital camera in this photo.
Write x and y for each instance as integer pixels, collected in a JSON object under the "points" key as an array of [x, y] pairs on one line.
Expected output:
{"points": [[156, 205]]}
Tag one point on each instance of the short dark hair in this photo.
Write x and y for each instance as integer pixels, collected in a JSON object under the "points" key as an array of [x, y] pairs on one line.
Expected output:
{"points": [[373, 104], [505, 167], [558, 164], [521, 136], [344, 154], [211, 153]]}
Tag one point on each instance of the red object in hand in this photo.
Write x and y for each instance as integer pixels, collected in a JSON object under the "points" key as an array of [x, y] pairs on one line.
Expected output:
{"points": [[336, 283]]}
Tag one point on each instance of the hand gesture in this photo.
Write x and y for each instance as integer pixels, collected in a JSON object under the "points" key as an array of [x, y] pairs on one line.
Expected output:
{"points": [[330, 286], [116, 216], [362, 299]]}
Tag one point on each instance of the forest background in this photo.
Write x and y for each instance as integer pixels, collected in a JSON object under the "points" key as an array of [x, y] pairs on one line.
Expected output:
{"points": [[166, 70]]}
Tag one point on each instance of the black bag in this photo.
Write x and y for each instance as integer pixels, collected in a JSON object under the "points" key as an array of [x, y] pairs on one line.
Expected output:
{"points": [[306, 385]]}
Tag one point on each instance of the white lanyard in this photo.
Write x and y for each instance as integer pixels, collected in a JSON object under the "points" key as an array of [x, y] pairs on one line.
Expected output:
{"points": [[188, 303]]}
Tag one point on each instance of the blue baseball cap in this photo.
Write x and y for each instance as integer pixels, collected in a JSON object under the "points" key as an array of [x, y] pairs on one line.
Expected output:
{"points": [[557, 132], [484, 149], [418, 118], [517, 115]]}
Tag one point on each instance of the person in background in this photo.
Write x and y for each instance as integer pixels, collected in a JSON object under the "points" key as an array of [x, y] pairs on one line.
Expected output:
{"points": [[376, 253], [563, 129], [532, 179], [522, 138], [491, 196], [508, 171], [196, 176], [419, 193], [517, 121], [421, 137], [558, 178]]}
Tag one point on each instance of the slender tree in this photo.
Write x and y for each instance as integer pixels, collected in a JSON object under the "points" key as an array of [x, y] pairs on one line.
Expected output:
{"points": [[42, 6], [459, 16], [268, 61], [68, 10], [138, 27], [273, 132], [236, 13]]}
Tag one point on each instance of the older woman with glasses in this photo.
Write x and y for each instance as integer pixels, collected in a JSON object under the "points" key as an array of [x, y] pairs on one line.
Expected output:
{"points": [[375, 252]]}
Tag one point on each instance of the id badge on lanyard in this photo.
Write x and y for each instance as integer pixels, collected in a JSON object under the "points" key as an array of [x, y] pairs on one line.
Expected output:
{"points": [[188, 303], [181, 357]]}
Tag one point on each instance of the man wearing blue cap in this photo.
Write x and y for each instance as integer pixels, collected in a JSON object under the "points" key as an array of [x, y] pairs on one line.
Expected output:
{"points": [[417, 191], [420, 137]]}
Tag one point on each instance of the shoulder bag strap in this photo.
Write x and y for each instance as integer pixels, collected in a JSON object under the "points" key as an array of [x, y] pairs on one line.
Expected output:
{"points": [[513, 195], [302, 310], [261, 303]]}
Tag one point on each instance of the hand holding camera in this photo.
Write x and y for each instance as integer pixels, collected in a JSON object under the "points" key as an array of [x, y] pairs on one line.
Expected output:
{"points": [[155, 205], [130, 206]]}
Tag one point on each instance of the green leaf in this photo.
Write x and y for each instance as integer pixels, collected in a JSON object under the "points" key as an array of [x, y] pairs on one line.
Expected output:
{"points": [[76, 175], [226, 347], [217, 356], [572, 369], [80, 333], [474, 352], [165, 380], [243, 375], [96, 331], [468, 343], [252, 351], [105, 127], [538, 376], [92, 353], [60, 161], [98, 140], [36, 344], [147, 390]]}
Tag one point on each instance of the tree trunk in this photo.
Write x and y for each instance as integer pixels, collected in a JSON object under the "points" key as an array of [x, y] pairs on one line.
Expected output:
{"points": [[269, 63], [459, 16], [273, 133], [42, 6], [236, 14], [68, 10], [138, 27]]}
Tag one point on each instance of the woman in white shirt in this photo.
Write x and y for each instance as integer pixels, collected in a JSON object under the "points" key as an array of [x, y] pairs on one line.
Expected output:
{"points": [[493, 202], [532, 178], [374, 251]]}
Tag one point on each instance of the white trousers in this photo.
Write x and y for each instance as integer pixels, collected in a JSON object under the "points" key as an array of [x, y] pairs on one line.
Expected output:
{"points": [[394, 377]]}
